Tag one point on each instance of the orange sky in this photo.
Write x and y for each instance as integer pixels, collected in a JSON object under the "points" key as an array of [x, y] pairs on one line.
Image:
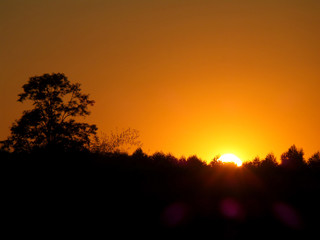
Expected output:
{"points": [[194, 77]]}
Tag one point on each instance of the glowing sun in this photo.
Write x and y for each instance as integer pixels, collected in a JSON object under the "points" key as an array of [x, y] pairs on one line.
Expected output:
{"points": [[230, 158]]}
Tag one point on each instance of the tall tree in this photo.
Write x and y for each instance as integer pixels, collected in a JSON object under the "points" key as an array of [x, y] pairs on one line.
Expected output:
{"points": [[51, 123]]}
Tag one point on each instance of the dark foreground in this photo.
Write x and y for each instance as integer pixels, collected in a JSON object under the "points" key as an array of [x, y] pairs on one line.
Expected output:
{"points": [[89, 195]]}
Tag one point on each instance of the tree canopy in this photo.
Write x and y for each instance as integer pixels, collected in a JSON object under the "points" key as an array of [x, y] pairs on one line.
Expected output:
{"points": [[293, 158], [51, 123]]}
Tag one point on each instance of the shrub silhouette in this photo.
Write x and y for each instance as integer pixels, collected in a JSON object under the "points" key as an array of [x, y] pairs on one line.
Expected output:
{"points": [[116, 141]]}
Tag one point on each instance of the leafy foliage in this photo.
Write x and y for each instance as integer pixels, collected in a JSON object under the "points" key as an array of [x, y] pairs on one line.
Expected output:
{"points": [[51, 122]]}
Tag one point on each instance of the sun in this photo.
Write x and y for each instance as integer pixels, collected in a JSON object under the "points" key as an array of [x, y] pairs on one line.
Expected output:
{"points": [[230, 158]]}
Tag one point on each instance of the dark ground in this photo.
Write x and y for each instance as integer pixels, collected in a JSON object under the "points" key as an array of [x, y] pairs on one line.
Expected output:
{"points": [[90, 195]]}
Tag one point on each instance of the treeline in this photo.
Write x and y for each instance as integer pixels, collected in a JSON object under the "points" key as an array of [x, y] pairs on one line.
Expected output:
{"points": [[292, 159], [87, 193]]}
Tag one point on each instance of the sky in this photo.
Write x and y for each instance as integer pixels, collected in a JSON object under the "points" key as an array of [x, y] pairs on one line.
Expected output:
{"points": [[199, 77]]}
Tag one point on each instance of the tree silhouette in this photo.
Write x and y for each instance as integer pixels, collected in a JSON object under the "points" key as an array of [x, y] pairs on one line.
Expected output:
{"points": [[314, 160], [293, 158], [270, 161], [195, 162], [51, 122], [255, 163]]}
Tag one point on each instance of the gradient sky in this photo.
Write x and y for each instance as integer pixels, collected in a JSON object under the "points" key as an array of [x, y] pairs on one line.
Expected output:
{"points": [[194, 77]]}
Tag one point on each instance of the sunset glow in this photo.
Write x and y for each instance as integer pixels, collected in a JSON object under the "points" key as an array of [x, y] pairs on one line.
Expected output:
{"points": [[230, 158], [148, 118], [193, 77]]}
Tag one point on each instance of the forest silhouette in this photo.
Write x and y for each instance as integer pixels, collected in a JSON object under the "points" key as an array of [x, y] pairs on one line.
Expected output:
{"points": [[59, 178]]}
